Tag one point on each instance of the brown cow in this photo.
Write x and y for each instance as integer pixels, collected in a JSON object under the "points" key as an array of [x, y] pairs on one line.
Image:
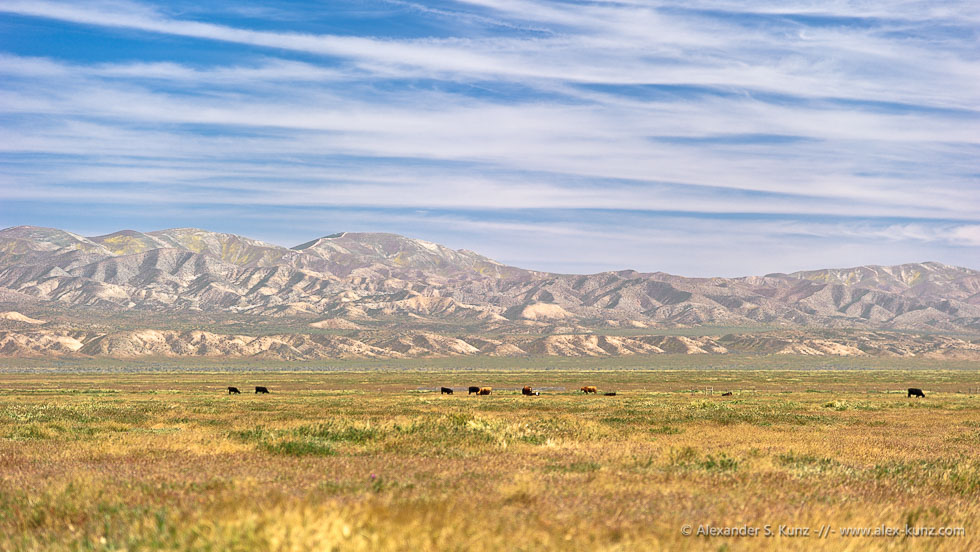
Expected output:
{"points": [[527, 390], [484, 391], [589, 389]]}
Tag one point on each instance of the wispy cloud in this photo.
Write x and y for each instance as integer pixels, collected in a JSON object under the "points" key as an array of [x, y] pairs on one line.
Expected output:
{"points": [[709, 109]]}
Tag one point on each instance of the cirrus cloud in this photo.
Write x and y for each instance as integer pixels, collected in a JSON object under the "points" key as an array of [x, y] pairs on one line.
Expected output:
{"points": [[810, 128]]}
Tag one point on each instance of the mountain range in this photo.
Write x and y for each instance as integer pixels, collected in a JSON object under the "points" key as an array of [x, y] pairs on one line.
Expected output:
{"points": [[376, 289]]}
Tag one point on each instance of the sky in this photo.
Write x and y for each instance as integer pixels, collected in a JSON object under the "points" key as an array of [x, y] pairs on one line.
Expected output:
{"points": [[698, 137]]}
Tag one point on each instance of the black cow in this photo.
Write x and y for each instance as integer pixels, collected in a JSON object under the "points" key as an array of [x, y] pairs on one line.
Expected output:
{"points": [[473, 389], [234, 391], [916, 392], [260, 389], [610, 394], [726, 394], [446, 391]]}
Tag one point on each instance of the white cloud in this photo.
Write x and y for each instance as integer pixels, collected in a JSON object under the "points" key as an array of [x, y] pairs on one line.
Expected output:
{"points": [[614, 46], [879, 118]]}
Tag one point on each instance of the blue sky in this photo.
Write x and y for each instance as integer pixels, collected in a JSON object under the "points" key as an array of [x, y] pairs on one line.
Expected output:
{"points": [[699, 138]]}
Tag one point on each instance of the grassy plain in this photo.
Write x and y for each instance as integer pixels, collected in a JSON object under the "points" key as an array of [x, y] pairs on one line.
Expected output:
{"points": [[352, 459]]}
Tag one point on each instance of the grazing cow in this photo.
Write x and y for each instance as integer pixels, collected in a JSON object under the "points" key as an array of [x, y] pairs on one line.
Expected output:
{"points": [[484, 391], [234, 391], [260, 389], [589, 389], [527, 390], [726, 394], [915, 392], [447, 391], [610, 394], [473, 389]]}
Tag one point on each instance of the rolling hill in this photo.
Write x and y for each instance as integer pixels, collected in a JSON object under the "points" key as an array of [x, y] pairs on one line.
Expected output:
{"points": [[375, 282]]}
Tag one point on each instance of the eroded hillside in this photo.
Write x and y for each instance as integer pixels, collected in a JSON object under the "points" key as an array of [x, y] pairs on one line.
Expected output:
{"points": [[415, 344], [383, 295]]}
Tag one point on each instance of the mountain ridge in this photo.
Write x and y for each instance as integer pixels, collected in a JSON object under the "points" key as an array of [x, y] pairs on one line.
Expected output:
{"points": [[305, 245], [397, 281]]}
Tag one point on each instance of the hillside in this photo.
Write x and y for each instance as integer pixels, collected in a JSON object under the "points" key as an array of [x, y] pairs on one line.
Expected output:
{"points": [[41, 343], [55, 283], [365, 276]]}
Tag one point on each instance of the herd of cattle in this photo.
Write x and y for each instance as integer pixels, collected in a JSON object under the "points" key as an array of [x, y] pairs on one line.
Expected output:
{"points": [[913, 391], [258, 390]]}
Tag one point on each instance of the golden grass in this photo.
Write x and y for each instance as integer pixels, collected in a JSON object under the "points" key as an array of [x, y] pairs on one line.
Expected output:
{"points": [[382, 461]]}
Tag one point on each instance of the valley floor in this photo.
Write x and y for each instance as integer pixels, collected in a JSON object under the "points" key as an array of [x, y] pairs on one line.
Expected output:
{"points": [[380, 460]]}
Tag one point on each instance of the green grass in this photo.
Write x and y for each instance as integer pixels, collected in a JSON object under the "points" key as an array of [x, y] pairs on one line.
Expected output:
{"points": [[360, 460], [726, 364]]}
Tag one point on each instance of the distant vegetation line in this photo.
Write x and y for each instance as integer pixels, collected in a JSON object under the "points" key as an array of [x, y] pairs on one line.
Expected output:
{"points": [[659, 363]]}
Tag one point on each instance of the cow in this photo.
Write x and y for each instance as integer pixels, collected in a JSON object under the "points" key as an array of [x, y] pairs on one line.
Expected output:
{"points": [[260, 389], [473, 389], [916, 392], [527, 391], [537, 393], [589, 389], [726, 394], [234, 391], [484, 391], [610, 394], [446, 391]]}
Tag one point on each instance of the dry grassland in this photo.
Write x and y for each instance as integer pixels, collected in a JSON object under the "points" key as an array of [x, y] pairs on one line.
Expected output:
{"points": [[382, 461]]}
